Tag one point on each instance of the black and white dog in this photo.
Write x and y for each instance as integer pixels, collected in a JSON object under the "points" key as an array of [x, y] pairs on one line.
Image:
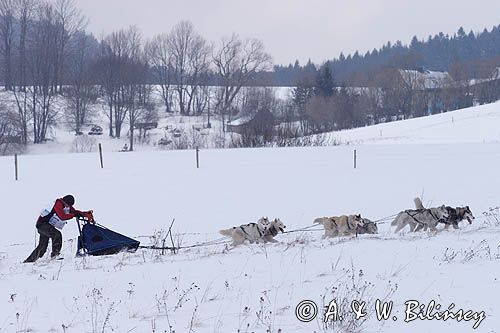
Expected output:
{"points": [[368, 227], [457, 215]]}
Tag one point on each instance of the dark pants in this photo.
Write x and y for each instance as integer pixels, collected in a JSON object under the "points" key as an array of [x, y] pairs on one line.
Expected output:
{"points": [[46, 231]]}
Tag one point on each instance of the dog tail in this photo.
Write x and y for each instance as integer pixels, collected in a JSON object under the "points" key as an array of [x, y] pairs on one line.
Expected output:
{"points": [[396, 220], [225, 232], [418, 203], [319, 220]]}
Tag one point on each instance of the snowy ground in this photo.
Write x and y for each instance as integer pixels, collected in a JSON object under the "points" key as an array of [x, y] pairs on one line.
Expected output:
{"points": [[479, 124], [256, 288]]}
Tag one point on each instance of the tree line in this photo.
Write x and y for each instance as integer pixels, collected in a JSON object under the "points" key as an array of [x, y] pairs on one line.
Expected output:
{"points": [[47, 53], [477, 54]]}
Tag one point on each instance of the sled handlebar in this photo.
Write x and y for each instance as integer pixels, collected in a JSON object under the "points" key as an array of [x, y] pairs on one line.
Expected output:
{"points": [[87, 217]]}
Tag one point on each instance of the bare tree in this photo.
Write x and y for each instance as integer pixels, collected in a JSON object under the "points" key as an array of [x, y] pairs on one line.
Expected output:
{"points": [[7, 15], [393, 95], [320, 113], [25, 10], [301, 95], [189, 53], [34, 95], [43, 59], [236, 62], [199, 63], [23, 104], [69, 21], [159, 57], [412, 84], [118, 52], [81, 92], [9, 130], [105, 70], [140, 107]]}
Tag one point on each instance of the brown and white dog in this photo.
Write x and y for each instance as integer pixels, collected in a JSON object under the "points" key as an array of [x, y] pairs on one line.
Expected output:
{"points": [[340, 225]]}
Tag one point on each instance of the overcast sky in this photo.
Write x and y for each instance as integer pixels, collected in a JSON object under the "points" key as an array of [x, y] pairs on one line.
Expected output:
{"points": [[298, 29]]}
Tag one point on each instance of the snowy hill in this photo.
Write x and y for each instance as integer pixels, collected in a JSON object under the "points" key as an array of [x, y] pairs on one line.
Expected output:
{"points": [[471, 125], [256, 288]]}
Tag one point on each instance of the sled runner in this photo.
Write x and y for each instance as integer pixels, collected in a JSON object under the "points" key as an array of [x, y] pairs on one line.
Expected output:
{"points": [[97, 240]]}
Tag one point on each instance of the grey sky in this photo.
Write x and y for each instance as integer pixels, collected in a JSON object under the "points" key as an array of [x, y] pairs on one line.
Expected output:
{"points": [[298, 29]]}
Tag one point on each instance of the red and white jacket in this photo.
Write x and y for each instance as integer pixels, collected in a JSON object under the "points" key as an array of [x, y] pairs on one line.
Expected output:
{"points": [[59, 213]]}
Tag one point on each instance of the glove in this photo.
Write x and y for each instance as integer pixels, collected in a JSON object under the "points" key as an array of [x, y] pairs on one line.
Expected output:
{"points": [[89, 215]]}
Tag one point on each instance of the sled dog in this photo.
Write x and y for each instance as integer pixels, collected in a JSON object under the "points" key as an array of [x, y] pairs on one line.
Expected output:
{"points": [[455, 216], [340, 225], [261, 232], [421, 217], [368, 227]]}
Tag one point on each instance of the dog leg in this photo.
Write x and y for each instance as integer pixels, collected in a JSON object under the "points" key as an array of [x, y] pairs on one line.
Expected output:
{"points": [[420, 227], [238, 239], [399, 227], [413, 225], [433, 230]]}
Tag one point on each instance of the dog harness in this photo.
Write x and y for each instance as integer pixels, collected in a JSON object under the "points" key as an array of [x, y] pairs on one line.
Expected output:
{"points": [[251, 224], [422, 210], [273, 231]]}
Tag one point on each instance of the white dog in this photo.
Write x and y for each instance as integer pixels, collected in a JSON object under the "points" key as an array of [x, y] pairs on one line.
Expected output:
{"points": [[261, 232]]}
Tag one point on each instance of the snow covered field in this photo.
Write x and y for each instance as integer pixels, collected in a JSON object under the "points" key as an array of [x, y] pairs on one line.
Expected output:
{"points": [[256, 288], [479, 124]]}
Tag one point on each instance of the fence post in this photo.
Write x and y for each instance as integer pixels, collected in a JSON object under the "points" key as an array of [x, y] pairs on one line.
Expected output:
{"points": [[15, 166], [355, 159], [197, 158], [100, 155]]}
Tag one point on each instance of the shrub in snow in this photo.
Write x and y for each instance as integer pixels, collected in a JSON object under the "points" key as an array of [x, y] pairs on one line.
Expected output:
{"points": [[83, 144], [492, 216]]}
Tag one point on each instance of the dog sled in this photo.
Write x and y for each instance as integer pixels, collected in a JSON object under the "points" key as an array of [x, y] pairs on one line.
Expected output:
{"points": [[97, 240]]}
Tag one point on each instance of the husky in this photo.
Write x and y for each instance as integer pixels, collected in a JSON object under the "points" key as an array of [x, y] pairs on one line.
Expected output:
{"points": [[368, 227], [430, 217], [457, 215], [272, 230], [340, 225], [261, 232]]}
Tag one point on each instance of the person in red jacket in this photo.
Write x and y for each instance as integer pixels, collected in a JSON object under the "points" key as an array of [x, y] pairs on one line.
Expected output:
{"points": [[48, 223]]}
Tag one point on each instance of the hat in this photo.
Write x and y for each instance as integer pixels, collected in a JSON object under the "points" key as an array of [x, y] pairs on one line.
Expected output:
{"points": [[69, 200]]}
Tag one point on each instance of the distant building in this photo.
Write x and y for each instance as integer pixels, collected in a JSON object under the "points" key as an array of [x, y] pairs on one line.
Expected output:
{"points": [[425, 79], [257, 123]]}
